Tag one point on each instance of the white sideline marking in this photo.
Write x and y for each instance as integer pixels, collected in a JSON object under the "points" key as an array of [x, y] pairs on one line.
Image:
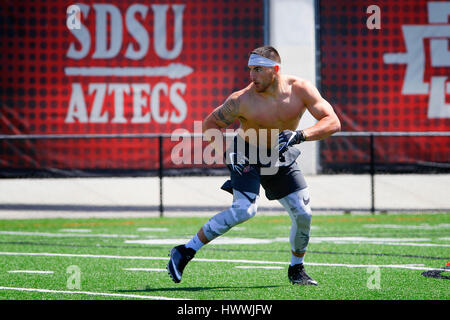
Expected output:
{"points": [[226, 240], [335, 240], [413, 244], [30, 271], [153, 229], [383, 241], [143, 269], [393, 266], [71, 255], [363, 239], [424, 226], [76, 230], [235, 240], [50, 234], [92, 293], [221, 240], [46, 254], [257, 267], [159, 241]]}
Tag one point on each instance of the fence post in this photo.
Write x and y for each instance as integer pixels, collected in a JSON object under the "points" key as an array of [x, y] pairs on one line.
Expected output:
{"points": [[160, 175], [372, 173]]}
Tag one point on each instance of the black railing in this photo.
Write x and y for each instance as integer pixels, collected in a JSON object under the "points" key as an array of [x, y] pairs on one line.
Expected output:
{"points": [[161, 136]]}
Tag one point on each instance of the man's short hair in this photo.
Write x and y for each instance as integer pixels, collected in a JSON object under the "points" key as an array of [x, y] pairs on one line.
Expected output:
{"points": [[268, 52]]}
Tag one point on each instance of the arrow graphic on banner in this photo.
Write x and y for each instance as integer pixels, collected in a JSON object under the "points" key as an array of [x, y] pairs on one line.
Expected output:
{"points": [[172, 71]]}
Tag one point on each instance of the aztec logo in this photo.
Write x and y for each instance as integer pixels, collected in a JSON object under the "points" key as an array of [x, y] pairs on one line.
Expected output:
{"points": [[438, 31]]}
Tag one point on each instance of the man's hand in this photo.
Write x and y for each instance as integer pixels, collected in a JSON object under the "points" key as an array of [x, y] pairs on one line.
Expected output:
{"points": [[288, 138], [238, 162]]}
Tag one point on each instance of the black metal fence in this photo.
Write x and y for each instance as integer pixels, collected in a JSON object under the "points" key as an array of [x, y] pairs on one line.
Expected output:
{"points": [[162, 172]]}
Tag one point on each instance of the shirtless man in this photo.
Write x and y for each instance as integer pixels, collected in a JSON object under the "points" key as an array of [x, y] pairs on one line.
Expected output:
{"points": [[272, 101]]}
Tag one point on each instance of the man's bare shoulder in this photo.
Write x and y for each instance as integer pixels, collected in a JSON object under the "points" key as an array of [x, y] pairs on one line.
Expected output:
{"points": [[244, 92], [241, 96], [299, 84]]}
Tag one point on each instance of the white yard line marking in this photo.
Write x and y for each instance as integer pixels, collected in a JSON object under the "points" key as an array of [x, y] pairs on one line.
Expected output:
{"points": [[364, 239], [221, 240], [415, 242], [393, 266], [153, 229], [70, 255], [46, 254], [76, 230], [92, 293], [143, 269], [50, 234], [159, 241], [30, 271], [257, 267], [424, 226]]}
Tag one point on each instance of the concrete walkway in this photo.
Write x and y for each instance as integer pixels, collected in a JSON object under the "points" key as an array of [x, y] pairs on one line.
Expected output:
{"points": [[201, 196]]}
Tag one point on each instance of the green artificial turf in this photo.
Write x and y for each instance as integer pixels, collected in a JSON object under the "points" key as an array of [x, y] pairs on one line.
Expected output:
{"points": [[347, 264]]}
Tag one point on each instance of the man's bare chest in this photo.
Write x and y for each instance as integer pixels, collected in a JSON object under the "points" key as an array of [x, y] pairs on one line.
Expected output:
{"points": [[273, 113]]}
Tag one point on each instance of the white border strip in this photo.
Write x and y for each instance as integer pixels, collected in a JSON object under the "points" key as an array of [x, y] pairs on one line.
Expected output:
{"points": [[92, 293]]}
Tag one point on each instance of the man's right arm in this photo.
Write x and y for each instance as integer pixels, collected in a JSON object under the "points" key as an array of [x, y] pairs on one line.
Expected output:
{"points": [[224, 115], [220, 118]]}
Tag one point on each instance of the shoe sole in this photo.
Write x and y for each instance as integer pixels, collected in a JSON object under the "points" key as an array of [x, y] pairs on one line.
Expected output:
{"points": [[303, 283]]}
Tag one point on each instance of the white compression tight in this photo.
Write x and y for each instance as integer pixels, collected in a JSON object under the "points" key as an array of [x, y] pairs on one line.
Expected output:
{"points": [[297, 205], [243, 208]]}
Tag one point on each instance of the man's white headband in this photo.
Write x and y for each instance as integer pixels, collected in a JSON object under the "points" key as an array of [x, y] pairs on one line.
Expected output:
{"points": [[257, 60]]}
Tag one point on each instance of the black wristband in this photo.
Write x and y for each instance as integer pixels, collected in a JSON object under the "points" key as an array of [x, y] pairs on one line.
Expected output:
{"points": [[300, 136]]}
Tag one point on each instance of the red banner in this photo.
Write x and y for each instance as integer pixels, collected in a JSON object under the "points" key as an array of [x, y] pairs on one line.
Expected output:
{"points": [[118, 67], [385, 67]]}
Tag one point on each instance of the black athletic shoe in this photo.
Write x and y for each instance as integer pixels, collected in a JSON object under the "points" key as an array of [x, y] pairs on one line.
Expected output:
{"points": [[179, 258], [297, 275]]}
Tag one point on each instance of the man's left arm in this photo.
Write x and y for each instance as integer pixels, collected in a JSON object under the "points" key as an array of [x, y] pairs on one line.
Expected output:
{"points": [[327, 120]]}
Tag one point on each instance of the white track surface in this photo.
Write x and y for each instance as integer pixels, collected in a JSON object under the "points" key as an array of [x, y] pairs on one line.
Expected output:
{"points": [[201, 196]]}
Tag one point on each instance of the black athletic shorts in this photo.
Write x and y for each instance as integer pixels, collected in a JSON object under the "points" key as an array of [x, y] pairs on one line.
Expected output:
{"points": [[287, 179]]}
